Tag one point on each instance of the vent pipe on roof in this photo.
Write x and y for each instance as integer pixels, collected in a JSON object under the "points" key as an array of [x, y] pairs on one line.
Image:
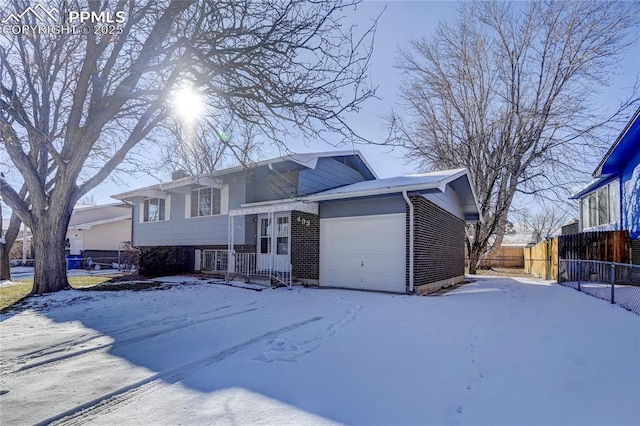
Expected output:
{"points": [[411, 246]]}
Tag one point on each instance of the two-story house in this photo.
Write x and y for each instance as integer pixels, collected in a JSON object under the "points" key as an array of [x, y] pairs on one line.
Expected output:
{"points": [[612, 200], [323, 218]]}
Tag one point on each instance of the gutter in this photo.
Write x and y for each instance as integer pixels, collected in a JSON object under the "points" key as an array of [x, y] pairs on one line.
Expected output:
{"points": [[411, 244]]}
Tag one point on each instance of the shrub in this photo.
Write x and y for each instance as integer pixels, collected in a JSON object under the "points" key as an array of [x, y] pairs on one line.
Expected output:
{"points": [[158, 261]]}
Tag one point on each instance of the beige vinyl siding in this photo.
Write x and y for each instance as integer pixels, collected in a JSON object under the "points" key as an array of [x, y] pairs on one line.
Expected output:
{"points": [[107, 236]]}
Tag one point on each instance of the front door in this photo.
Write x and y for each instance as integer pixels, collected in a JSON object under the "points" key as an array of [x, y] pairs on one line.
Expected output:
{"points": [[274, 241]]}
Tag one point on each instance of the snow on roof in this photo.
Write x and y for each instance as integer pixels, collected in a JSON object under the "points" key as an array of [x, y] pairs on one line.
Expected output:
{"points": [[523, 239], [422, 181], [89, 225], [89, 216]]}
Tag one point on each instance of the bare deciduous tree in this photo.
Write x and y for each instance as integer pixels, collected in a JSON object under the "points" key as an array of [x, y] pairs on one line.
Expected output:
{"points": [[543, 223], [199, 148], [74, 107], [508, 91], [8, 239], [88, 200]]}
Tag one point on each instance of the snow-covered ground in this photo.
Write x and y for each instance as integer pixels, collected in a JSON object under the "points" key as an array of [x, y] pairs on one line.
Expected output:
{"points": [[26, 272], [624, 295], [496, 351]]}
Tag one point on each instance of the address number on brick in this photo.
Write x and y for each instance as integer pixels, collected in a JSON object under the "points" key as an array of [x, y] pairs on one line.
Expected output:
{"points": [[305, 222]]}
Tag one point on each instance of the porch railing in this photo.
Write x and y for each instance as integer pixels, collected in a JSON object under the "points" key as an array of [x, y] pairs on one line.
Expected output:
{"points": [[247, 264], [215, 260]]}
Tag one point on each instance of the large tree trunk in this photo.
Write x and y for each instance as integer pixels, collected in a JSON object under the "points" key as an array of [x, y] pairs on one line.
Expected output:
{"points": [[5, 266], [50, 268], [474, 258], [475, 248], [5, 249]]}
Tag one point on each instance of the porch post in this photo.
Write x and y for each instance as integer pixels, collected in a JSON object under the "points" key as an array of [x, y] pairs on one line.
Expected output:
{"points": [[274, 240], [230, 257]]}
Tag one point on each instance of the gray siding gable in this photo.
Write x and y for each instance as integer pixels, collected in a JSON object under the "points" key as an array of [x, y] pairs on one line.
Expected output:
{"points": [[363, 206], [328, 174], [266, 185], [388, 204]]}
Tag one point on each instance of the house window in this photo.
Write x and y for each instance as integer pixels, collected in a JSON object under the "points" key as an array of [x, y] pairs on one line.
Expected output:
{"points": [[614, 202], [265, 236], [154, 210], [283, 235], [602, 206], [593, 209], [205, 202]]}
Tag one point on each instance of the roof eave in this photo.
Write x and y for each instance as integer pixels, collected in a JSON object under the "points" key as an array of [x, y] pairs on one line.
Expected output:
{"points": [[89, 225], [374, 192], [598, 171], [601, 181]]}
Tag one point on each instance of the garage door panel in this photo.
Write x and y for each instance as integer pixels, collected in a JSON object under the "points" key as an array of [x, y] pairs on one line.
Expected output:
{"points": [[366, 252]]}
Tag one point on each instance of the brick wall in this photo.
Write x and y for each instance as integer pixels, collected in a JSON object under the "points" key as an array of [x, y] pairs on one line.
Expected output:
{"points": [[191, 251], [635, 252], [438, 243], [190, 255], [305, 245]]}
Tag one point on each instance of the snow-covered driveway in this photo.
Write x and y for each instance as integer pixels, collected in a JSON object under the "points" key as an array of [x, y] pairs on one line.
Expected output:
{"points": [[497, 351]]}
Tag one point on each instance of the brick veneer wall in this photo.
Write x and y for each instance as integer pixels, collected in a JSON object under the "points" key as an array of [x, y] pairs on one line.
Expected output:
{"points": [[438, 243], [190, 251], [635, 252], [305, 245]]}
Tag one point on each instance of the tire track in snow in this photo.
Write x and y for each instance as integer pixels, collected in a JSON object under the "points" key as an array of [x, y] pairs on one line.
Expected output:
{"points": [[87, 337], [113, 400], [118, 344], [6, 366], [182, 321], [285, 350]]}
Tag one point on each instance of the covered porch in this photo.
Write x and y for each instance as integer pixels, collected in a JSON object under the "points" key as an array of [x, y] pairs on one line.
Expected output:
{"points": [[273, 259]]}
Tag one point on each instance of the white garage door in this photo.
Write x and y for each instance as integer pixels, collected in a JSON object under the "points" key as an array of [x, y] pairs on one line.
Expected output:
{"points": [[364, 252]]}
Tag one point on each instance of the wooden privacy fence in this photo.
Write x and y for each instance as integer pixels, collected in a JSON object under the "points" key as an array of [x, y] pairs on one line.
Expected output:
{"points": [[600, 247], [504, 257], [541, 260]]}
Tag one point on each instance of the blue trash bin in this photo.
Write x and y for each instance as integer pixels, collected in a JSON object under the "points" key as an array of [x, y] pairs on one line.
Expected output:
{"points": [[74, 261]]}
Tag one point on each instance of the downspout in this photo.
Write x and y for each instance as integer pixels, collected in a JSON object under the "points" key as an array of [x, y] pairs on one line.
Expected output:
{"points": [[411, 247]]}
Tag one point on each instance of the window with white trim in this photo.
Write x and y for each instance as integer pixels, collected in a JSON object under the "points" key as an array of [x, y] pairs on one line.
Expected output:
{"points": [[602, 206], [205, 202], [154, 210], [282, 241]]}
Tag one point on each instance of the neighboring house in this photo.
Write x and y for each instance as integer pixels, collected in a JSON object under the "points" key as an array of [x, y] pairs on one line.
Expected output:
{"points": [[323, 218], [612, 200], [99, 231]]}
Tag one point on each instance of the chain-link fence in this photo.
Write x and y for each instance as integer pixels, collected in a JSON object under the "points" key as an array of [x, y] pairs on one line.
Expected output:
{"points": [[617, 283]]}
